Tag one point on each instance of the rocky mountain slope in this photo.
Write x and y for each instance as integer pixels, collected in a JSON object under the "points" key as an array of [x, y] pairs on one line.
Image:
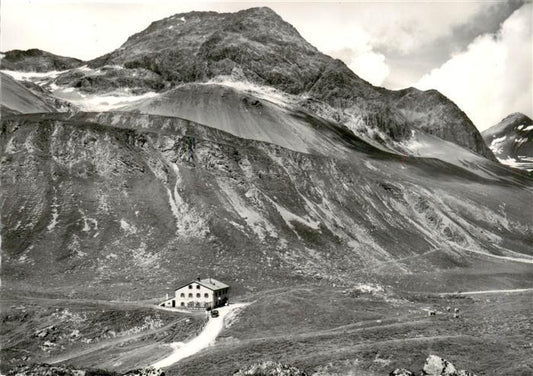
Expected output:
{"points": [[148, 200], [27, 97], [310, 166], [35, 60], [225, 145], [259, 47], [308, 163], [511, 141], [16, 98]]}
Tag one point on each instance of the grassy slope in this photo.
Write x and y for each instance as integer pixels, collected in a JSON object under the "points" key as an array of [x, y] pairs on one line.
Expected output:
{"points": [[325, 331], [92, 334]]}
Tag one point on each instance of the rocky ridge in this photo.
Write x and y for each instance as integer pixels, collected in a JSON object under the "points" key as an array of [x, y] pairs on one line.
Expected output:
{"points": [[35, 60], [257, 46]]}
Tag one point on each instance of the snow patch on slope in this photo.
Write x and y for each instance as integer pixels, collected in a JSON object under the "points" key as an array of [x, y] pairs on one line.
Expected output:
{"points": [[497, 144], [97, 103], [32, 76], [263, 92]]}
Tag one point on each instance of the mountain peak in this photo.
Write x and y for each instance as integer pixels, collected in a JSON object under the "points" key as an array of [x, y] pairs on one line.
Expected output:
{"points": [[511, 140], [198, 46], [516, 117], [36, 60], [260, 11], [266, 50]]}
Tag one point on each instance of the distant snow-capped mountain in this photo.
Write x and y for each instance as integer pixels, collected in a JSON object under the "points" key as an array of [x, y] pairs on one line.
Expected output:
{"points": [[511, 141]]}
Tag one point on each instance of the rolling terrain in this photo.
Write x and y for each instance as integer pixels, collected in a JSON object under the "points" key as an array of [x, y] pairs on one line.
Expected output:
{"points": [[340, 211]]}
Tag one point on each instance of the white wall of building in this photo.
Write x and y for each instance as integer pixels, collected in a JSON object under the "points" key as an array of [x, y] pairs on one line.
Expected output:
{"points": [[195, 294]]}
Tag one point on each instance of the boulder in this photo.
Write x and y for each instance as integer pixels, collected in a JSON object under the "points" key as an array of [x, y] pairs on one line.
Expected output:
{"points": [[401, 372], [437, 366]]}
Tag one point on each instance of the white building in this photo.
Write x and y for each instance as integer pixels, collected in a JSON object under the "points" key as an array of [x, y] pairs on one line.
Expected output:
{"points": [[200, 293]]}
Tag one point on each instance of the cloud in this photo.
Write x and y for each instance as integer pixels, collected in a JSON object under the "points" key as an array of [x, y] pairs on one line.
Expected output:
{"points": [[493, 77], [394, 43], [370, 66], [366, 63]]}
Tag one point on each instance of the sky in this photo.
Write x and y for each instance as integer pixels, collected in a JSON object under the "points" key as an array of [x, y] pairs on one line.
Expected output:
{"points": [[478, 53]]}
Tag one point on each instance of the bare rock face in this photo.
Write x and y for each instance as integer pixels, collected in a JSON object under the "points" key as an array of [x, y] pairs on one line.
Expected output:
{"points": [[110, 78], [435, 114], [35, 60], [196, 46], [270, 368]]}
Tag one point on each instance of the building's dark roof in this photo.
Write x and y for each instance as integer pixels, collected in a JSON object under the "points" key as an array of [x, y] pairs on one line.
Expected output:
{"points": [[209, 283]]}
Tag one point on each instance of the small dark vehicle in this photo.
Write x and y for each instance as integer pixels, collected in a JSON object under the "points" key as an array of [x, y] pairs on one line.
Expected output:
{"points": [[214, 313]]}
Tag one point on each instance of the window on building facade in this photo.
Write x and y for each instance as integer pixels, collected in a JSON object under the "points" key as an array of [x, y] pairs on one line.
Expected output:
{"points": [[198, 295], [190, 295], [182, 295], [206, 295], [198, 287], [183, 304], [190, 286]]}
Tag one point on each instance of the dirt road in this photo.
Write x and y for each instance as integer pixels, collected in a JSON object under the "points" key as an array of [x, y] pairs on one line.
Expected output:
{"points": [[206, 337]]}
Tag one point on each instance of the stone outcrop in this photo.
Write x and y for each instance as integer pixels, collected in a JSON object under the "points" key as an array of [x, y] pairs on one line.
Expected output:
{"points": [[149, 371], [401, 372], [434, 366], [270, 368], [35, 60]]}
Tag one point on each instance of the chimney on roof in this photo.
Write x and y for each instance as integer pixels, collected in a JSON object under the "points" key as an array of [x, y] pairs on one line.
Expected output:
{"points": [[198, 278]]}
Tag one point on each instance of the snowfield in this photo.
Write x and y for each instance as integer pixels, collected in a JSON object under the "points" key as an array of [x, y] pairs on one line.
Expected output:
{"points": [[97, 103], [35, 77]]}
